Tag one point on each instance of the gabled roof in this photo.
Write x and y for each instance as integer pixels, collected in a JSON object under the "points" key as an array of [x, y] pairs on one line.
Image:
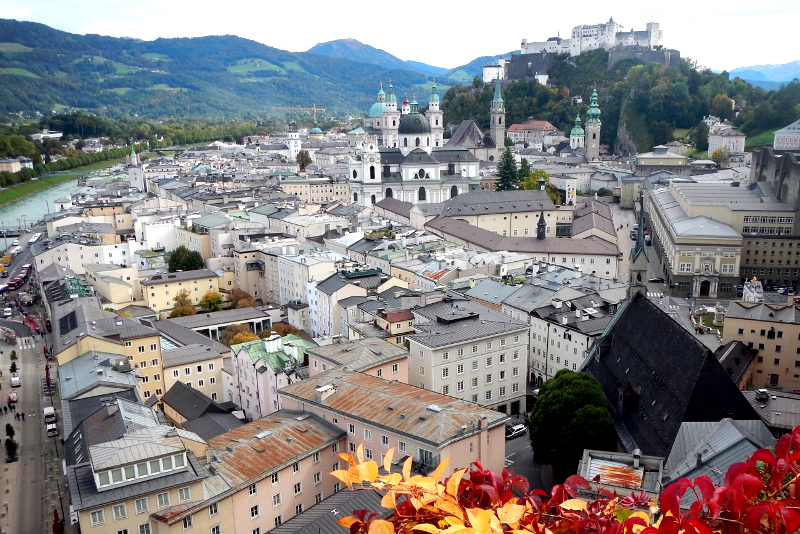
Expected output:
{"points": [[360, 354], [93, 370], [656, 375], [211, 425], [188, 354], [468, 135], [424, 415], [189, 402]]}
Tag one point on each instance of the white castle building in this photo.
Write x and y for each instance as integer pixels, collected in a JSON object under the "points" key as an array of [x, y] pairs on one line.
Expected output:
{"points": [[592, 37]]}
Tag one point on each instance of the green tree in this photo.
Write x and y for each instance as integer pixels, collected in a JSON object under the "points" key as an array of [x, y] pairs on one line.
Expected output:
{"points": [[524, 170], [303, 159], [507, 179], [570, 415], [699, 136], [211, 301], [722, 107], [13, 367], [604, 192], [531, 181], [183, 259], [13, 355]]}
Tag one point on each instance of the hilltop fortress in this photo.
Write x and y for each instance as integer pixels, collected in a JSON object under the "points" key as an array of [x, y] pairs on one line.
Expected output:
{"points": [[588, 37]]}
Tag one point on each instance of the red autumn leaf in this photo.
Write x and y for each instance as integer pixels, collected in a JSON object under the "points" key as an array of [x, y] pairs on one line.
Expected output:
{"points": [[573, 483], [750, 485], [782, 447], [706, 486], [696, 526], [672, 495], [734, 471], [755, 514], [763, 455], [790, 518]]}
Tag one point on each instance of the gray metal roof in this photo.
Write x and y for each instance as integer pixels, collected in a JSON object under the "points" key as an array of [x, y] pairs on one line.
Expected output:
{"points": [[179, 277], [188, 354], [202, 320], [323, 517], [447, 323], [92, 370], [769, 313], [360, 354], [491, 291], [189, 402], [184, 336]]}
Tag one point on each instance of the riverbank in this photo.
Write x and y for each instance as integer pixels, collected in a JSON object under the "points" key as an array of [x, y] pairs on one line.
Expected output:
{"points": [[19, 191]]}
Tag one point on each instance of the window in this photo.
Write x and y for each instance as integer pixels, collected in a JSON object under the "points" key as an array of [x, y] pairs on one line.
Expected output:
{"points": [[153, 347], [145, 529], [254, 509], [298, 488], [460, 352], [253, 489], [475, 365], [352, 428], [489, 395], [489, 361], [335, 446], [475, 381], [295, 468], [385, 441], [317, 478], [276, 500], [278, 521], [275, 478], [367, 435], [315, 457], [213, 509], [402, 446], [685, 267], [445, 372], [176, 373], [187, 522], [318, 498], [163, 499], [120, 512], [187, 371], [98, 517], [503, 391], [445, 355], [298, 509], [216, 530], [141, 505], [515, 371], [445, 390], [488, 345], [460, 386], [474, 348], [395, 368], [488, 379]]}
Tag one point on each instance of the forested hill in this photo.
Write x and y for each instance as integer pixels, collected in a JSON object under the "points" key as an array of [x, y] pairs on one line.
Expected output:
{"points": [[43, 69], [654, 103]]}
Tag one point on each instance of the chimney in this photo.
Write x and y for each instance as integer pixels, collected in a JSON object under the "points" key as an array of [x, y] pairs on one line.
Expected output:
{"points": [[325, 391], [637, 455], [557, 304], [564, 320], [577, 313]]}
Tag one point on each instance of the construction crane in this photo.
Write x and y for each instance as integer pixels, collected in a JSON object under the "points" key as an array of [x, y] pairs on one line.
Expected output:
{"points": [[313, 109]]}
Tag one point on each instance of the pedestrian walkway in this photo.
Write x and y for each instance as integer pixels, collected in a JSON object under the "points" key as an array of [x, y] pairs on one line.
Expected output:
{"points": [[656, 295]]}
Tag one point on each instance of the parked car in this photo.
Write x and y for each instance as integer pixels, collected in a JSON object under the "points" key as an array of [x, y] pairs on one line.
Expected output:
{"points": [[515, 431], [15, 243], [657, 280], [4, 274], [13, 397], [7, 312]]}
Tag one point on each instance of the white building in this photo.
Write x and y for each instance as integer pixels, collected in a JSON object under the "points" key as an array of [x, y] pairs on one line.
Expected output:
{"points": [[729, 140], [295, 272], [73, 255], [586, 37], [788, 137]]}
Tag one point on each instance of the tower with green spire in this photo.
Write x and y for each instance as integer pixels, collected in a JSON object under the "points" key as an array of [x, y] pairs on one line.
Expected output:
{"points": [[391, 119], [497, 118], [435, 117], [593, 128], [577, 135]]}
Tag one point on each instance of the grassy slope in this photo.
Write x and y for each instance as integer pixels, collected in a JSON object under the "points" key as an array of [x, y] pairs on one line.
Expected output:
{"points": [[762, 139]]}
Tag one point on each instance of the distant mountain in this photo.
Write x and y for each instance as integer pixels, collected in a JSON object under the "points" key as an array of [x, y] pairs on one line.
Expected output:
{"points": [[364, 53], [43, 69], [771, 73]]}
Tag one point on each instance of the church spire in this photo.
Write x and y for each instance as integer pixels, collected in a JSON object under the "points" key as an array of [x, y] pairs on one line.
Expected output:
{"points": [[497, 101], [593, 115]]}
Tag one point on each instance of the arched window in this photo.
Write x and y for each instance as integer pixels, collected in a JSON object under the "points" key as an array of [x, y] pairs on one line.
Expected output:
{"points": [[428, 141], [389, 193], [422, 195], [393, 123], [372, 172], [405, 141], [500, 120], [373, 199], [355, 197], [355, 174], [437, 122], [594, 136], [417, 141], [453, 192]]}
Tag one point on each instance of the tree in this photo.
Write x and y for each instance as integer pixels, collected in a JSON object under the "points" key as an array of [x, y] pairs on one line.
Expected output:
{"points": [[570, 415], [532, 182], [246, 303], [182, 298], [13, 355], [524, 170], [211, 301], [720, 156], [507, 179], [231, 331], [756, 496], [243, 337], [604, 192], [236, 295], [722, 107], [303, 159], [183, 259], [182, 311], [282, 329], [699, 136]]}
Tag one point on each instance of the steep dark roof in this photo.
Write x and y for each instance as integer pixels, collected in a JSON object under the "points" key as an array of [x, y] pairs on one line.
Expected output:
{"points": [[189, 402], [657, 375], [211, 425]]}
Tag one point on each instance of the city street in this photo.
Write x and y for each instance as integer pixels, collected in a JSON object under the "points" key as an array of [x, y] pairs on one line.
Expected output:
{"points": [[520, 459]]}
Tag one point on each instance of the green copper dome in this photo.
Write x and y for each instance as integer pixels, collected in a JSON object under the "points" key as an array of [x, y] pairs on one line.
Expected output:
{"points": [[315, 131], [593, 115], [414, 123], [434, 95], [577, 131], [391, 96], [377, 109]]}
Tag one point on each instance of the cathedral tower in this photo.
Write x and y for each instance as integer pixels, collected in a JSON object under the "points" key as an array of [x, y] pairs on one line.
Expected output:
{"points": [[593, 129], [435, 118], [391, 119], [498, 118], [576, 136]]}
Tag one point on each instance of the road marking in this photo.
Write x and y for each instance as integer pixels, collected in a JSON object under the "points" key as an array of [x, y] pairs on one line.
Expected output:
{"points": [[655, 295]]}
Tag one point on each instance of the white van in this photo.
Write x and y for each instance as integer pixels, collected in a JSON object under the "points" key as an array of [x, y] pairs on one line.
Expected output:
{"points": [[7, 312], [15, 382], [52, 429], [49, 414]]}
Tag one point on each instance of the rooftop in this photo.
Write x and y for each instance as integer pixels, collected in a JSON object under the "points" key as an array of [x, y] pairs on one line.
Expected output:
{"points": [[360, 354]]}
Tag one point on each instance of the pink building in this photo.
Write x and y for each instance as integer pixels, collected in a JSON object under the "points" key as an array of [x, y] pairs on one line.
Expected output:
{"points": [[381, 414], [372, 356]]}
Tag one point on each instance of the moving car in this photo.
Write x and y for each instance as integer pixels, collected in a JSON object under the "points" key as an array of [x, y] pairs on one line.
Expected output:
{"points": [[15, 243], [657, 280], [515, 431], [4, 274], [15, 382], [7, 312], [13, 397]]}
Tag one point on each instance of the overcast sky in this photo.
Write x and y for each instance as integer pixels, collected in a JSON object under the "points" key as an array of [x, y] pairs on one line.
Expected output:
{"points": [[722, 35]]}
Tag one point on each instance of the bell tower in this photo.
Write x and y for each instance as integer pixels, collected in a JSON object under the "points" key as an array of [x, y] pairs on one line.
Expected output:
{"points": [[498, 117], [593, 129]]}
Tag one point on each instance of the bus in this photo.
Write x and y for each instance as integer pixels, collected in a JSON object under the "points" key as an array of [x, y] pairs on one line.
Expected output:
{"points": [[35, 238]]}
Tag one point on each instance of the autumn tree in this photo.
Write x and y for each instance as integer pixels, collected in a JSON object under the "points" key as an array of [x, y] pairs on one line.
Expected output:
{"points": [[182, 311], [236, 295], [243, 337], [303, 159], [232, 331], [507, 177], [720, 156], [211, 301], [570, 415], [246, 303], [531, 181], [282, 329], [722, 107], [182, 298]]}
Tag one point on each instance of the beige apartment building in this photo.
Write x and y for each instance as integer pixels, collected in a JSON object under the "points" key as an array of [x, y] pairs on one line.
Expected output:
{"points": [[197, 366], [79, 328], [118, 285], [159, 290], [420, 423], [774, 330], [315, 189]]}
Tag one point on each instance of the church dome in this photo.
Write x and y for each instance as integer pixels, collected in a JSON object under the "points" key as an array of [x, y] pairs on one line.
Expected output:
{"points": [[377, 109], [315, 131], [414, 124], [577, 131]]}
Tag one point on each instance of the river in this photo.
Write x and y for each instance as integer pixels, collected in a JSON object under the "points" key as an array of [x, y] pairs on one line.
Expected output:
{"points": [[33, 208]]}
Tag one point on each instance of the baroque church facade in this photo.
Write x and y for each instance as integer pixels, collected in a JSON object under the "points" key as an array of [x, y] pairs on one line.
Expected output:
{"points": [[403, 154]]}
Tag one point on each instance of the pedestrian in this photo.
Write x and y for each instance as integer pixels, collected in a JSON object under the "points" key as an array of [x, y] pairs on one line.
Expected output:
{"points": [[5, 409], [16, 416], [23, 416]]}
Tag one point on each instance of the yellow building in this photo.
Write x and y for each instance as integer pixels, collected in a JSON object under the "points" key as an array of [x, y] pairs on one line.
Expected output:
{"points": [[159, 290], [773, 330], [197, 366]]}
